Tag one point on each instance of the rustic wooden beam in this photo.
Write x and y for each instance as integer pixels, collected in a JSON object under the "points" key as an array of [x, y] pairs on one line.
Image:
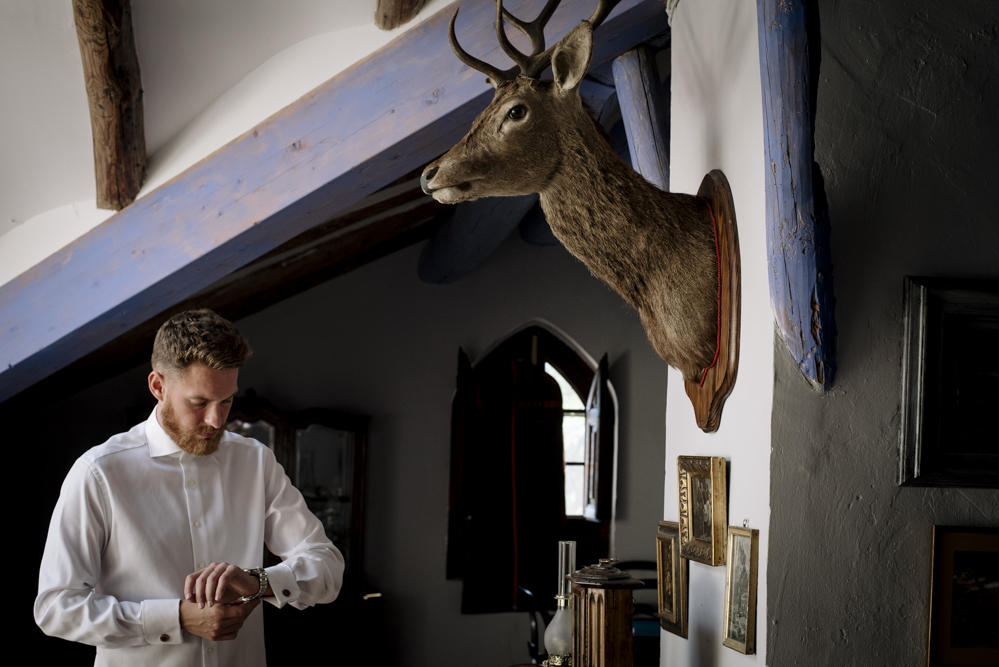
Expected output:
{"points": [[383, 117], [114, 92], [645, 110], [800, 263], [390, 14]]}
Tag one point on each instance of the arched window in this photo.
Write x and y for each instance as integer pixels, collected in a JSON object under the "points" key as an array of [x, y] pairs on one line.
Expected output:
{"points": [[532, 463]]}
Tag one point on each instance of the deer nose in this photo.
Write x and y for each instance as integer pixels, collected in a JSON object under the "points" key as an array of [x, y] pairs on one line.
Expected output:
{"points": [[425, 179]]}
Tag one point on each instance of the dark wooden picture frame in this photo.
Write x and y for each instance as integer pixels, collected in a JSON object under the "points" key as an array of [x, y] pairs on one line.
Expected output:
{"points": [[671, 574], [964, 597], [950, 382], [703, 503]]}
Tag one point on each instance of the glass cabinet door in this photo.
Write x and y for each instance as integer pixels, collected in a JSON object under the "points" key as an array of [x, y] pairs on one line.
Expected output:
{"points": [[324, 467]]}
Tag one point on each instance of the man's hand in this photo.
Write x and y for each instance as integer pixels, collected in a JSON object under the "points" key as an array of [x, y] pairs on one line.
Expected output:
{"points": [[218, 623], [220, 583]]}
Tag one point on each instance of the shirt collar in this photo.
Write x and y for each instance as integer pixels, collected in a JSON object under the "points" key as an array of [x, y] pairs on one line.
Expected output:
{"points": [[160, 444]]}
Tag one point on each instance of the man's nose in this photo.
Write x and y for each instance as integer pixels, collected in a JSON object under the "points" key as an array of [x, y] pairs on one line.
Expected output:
{"points": [[213, 416]]}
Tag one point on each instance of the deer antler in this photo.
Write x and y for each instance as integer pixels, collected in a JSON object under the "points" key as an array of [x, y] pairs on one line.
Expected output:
{"points": [[495, 74], [529, 65]]}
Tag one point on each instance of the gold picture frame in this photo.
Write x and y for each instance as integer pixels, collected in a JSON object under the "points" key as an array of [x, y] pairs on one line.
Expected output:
{"points": [[964, 596], [671, 575], [703, 508], [740, 589]]}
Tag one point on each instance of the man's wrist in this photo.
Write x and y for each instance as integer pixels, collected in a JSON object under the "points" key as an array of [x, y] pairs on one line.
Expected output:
{"points": [[264, 588]]}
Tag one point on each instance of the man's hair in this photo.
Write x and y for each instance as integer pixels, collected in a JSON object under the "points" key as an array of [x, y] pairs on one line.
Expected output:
{"points": [[199, 336]]}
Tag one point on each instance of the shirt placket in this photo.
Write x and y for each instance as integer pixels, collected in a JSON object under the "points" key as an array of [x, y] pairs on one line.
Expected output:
{"points": [[194, 481]]}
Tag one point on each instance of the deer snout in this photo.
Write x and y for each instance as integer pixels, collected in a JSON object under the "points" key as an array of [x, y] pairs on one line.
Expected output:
{"points": [[425, 179]]}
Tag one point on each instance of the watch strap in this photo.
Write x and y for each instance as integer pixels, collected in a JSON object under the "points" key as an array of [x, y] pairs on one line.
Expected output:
{"points": [[260, 574]]}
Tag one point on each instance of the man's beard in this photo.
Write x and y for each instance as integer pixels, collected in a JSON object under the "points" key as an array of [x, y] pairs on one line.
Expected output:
{"points": [[190, 441]]}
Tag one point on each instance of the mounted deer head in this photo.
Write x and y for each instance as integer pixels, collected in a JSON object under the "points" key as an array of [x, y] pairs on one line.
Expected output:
{"points": [[657, 249]]}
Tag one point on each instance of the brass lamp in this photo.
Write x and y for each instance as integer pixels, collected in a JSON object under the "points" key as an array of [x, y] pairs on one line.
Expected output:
{"points": [[603, 606]]}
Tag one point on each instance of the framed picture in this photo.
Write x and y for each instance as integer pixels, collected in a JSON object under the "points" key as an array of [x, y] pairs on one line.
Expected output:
{"points": [[703, 508], [950, 381], [671, 571], [740, 589], [964, 597]]}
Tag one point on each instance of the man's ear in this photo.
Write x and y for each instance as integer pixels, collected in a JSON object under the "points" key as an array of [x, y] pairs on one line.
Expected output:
{"points": [[571, 58], [157, 385]]}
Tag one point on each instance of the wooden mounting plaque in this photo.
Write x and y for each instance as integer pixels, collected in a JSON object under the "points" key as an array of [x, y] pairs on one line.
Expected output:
{"points": [[708, 398]]}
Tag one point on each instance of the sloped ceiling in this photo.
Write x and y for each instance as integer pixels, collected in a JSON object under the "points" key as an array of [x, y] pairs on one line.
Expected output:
{"points": [[190, 51]]}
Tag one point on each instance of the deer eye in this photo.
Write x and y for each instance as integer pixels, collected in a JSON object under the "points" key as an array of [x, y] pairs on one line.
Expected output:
{"points": [[517, 113]]}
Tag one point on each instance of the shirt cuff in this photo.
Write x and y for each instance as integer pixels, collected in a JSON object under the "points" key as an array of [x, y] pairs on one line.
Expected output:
{"points": [[284, 586], [161, 621]]}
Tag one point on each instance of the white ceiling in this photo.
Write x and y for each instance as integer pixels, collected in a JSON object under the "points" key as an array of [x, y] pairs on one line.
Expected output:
{"points": [[190, 52]]}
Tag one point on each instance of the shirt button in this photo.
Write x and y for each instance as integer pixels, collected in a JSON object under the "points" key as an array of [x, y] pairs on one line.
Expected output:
{"points": [[210, 651], [197, 524], [286, 593], [164, 638], [190, 483], [201, 565]]}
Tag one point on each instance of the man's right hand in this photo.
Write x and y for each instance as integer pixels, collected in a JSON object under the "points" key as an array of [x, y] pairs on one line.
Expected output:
{"points": [[218, 623]]}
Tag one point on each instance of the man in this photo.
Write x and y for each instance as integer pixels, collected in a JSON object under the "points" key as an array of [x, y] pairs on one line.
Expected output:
{"points": [[148, 543]]}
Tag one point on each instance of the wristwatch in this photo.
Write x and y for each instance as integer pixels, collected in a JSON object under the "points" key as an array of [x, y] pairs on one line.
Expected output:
{"points": [[260, 574]]}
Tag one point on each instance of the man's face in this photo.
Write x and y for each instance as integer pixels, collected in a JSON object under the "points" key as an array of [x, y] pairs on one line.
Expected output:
{"points": [[194, 405]]}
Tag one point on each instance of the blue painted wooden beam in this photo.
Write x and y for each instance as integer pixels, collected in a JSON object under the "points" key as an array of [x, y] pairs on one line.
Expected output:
{"points": [[383, 117], [645, 110], [800, 266]]}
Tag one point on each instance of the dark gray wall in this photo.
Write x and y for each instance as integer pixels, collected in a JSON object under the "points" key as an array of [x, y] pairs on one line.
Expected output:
{"points": [[907, 141], [380, 342]]}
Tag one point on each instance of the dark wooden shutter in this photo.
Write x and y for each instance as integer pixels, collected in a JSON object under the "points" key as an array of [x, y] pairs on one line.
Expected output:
{"points": [[598, 480], [457, 524]]}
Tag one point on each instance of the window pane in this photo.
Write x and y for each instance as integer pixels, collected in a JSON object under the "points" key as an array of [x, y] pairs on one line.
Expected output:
{"points": [[574, 437], [573, 490], [570, 399]]}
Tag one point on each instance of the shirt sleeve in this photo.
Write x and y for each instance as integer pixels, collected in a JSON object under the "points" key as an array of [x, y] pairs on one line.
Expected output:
{"points": [[68, 605], [311, 571]]}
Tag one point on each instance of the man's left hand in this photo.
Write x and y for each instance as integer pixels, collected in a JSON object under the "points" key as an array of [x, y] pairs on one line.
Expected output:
{"points": [[220, 583]]}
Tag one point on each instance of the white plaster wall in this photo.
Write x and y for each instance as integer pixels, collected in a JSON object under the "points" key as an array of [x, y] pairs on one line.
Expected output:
{"points": [[717, 123]]}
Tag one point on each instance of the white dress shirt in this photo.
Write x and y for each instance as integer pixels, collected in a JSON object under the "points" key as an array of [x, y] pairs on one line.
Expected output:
{"points": [[137, 514]]}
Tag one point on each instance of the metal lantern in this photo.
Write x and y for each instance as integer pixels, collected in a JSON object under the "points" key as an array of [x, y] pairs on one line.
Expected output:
{"points": [[603, 606]]}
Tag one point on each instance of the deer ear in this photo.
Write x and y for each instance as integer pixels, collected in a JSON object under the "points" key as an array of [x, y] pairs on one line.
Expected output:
{"points": [[571, 58]]}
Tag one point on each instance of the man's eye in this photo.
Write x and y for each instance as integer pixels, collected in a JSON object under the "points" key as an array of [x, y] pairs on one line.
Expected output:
{"points": [[518, 112]]}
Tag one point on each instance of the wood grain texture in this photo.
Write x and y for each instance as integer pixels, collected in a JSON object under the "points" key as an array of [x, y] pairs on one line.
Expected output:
{"points": [[800, 265], [390, 14], [114, 93], [381, 118], [708, 397], [645, 111]]}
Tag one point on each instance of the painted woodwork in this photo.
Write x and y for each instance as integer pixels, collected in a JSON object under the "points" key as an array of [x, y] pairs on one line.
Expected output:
{"points": [[800, 265], [392, 219], [372, 123], [708, 397], [114, 93], [390, 14], [644, 103]]}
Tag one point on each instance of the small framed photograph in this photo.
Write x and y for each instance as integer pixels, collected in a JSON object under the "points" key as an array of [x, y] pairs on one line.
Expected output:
{"points": [[671, 571], [964, 596], [950, 383], [740, 589], [703, 508]]}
